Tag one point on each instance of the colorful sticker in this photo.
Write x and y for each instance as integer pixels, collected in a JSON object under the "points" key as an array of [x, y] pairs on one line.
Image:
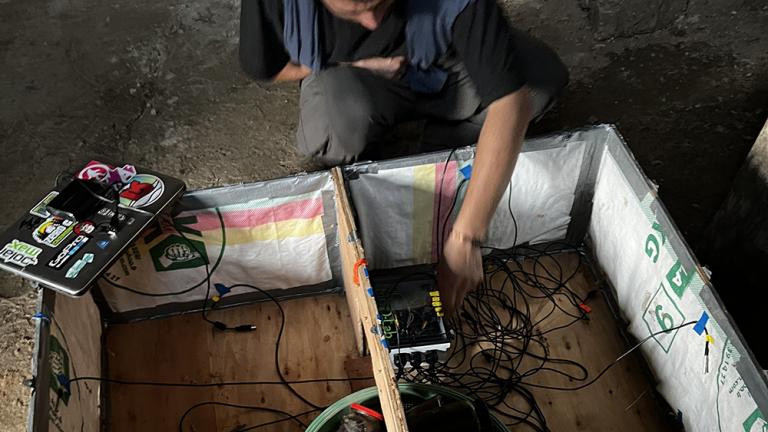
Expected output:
{"points": [[79, 265], [178, 253], [103, 173], [53, 231], [20, 253], [102, 244], [121, 175], [142, 191], [40, 210], [84, 228], [68, 251], [94, 170]]}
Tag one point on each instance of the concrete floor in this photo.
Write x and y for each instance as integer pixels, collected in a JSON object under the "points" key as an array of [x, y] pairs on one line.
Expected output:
{"points": [[157, 83]]}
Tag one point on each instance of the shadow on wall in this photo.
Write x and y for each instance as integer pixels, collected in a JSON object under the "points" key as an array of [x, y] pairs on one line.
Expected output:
{"points": [[689, 122], [737, 248]]}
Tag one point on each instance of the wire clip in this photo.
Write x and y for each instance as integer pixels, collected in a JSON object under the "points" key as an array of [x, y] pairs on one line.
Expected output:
{"points": [[64, 382], [221, 289], [710, 339], [701, 324], [356, 270], [466, 171], [585, 308]]}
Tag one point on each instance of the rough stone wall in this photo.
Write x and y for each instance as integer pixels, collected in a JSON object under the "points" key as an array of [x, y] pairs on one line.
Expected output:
{"points": [[623, 18]]}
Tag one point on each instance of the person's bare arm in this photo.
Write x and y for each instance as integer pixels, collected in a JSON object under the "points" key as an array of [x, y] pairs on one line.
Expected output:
{"points": [[501, 139], [387, 67], [292, 72]]}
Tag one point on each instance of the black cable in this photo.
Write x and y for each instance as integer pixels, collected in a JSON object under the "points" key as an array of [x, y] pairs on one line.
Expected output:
{"points": [[222, 326], [216, 324], [441, 240], [615, 362], [496, 331], [250, 428], [277, 343], [214, 384], [238, 406], [440, 201], [499, 341], [186, 290], [247, 327], [512, 214], [498, 319]]}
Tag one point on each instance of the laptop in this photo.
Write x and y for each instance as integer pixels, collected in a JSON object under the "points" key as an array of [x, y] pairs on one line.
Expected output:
{"points": [[78, 229]]}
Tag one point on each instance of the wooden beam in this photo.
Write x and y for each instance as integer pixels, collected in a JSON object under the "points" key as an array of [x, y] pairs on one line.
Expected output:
{"points": [[363, 308]]}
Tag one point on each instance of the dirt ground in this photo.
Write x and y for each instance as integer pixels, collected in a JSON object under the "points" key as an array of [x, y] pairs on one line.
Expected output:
{"points": [[157, 83]]}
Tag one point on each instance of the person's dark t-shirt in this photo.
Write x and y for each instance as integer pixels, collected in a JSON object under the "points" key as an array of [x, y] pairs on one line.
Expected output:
{"points": [[481, 38]]}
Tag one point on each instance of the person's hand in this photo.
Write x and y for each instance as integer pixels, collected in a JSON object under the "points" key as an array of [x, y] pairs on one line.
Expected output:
{"points": [[459, 271], [387, 67]]}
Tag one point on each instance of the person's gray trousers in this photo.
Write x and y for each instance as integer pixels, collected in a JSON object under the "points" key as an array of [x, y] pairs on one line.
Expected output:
{"points": [[346, 110]]}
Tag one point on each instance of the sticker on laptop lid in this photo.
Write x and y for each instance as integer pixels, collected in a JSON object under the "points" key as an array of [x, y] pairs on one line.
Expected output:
{"points": [[144, 190], [94, 170], [84, 228], [79, 265], [68, 251], [40, 209], [103, 173], [20, 253], [123, 174], [53, 231]]}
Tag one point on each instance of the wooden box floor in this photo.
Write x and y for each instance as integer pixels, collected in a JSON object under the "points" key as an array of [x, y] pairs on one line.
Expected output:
{"points": [[317, 341]]}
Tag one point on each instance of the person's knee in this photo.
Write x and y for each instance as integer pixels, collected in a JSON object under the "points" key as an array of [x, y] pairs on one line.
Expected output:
{"points": [[337, 119], [351, 113]]}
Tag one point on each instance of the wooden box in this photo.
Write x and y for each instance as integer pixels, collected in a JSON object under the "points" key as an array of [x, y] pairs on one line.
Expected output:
{"points": [[117, 360]]}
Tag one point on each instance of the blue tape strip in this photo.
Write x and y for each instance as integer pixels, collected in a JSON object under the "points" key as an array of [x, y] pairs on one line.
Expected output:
{"points": [[702, 323], [385, 343], [370, 292], [466, 171], [64, 382], [41, 316], [222, 289]]}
